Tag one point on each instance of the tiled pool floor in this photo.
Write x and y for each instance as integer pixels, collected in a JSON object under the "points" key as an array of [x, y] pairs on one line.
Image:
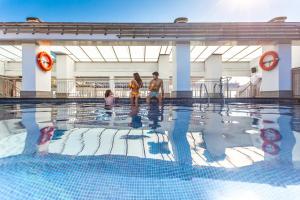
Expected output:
{"points": [[199, 151]]}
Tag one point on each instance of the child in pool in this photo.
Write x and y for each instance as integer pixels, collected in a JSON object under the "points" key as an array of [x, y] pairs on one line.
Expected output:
{"points": [[109, 98]]}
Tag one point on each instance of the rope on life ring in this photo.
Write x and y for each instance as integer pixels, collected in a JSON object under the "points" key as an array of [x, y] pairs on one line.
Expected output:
{"points": [[44, 61], [273, 63]]}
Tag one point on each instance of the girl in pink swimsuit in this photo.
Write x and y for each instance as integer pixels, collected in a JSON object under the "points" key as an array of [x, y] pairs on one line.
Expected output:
{"points": [[109, 98]]}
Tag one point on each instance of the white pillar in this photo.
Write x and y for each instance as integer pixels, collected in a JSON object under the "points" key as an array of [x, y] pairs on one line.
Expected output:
{"points": [[65, 78], [2, 68], [295, 56], [181, 70], [165, 72], [213, 72], [35, 82], [277, 83], [112, 83], [164, 67]]}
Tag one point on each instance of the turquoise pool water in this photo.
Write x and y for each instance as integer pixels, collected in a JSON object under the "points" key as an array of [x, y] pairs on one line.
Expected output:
{"points": [[183, 151]]}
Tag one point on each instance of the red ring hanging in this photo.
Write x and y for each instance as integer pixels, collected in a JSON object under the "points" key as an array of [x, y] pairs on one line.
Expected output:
{"points": [[274, 62], [44, 61]]}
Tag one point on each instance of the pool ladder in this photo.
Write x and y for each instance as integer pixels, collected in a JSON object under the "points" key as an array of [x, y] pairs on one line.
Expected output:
{"points": [[203, 85]]}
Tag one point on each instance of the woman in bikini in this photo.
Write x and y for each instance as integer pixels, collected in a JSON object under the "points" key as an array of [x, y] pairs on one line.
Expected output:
{"points": [[135, 85]]}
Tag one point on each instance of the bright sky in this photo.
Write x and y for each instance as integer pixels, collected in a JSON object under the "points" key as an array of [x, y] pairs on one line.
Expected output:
{"points": [[148, 10]]}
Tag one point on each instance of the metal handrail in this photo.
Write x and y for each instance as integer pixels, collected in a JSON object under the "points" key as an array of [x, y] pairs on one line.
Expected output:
{"points": [[208, 97]]}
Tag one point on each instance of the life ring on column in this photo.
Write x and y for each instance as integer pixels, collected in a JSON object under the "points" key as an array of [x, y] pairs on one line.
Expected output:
{"points": [[44, 61], [273, 61]]}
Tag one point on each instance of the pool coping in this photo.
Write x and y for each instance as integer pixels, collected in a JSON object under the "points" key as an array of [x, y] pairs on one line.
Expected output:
{"points": [[143, 100]]}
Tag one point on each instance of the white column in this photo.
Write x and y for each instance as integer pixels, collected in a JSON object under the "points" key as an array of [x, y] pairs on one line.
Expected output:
{"points": [[165, 72], [181, 70], [295, 56], [213, 72], [164, 67], [65, 78], [35, 82], [277, 83], [2, 68], [112, 83]]}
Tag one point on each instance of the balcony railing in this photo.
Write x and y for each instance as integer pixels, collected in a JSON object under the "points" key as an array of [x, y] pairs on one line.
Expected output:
{"points": [[8, 87], [96, 87], [87, 88]]}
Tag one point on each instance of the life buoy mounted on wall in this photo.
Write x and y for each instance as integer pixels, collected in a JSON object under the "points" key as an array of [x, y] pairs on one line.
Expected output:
{"points": [[273, 62], [44, 61]]}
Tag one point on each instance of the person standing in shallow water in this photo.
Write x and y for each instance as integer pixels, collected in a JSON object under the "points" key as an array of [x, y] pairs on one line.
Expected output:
{"points": [[135, 85], [155, 85]]}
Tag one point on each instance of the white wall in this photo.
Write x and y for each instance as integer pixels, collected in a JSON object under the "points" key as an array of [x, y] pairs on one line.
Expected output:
{"points": [[295, 56], [65, 67], [236, 69], [2, 68], [113, 69]]}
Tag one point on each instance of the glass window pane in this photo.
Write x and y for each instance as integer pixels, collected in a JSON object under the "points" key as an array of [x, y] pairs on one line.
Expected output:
{"points": [[206, 53], [122, 53], [232, 52], [108, 53], [78, 52], [137, 53], [8, 55], [196, 51], [12, 50], [254, 55], [59, 50], [152, 53], [245, 52], [163, 50], [93, 53], [222, 49]]}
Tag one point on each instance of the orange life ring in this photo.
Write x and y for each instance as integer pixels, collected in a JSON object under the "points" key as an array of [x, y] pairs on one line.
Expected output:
{"points": [[44, 61], [273, 63]]}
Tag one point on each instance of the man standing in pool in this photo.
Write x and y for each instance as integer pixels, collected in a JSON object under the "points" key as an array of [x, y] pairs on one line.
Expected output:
{"points": [[154, 87]]}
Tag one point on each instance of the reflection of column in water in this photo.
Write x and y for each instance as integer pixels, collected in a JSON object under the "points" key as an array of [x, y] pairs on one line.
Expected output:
{"points": [[288, 139], [277, 120], [178, 135], [212, 134], [296, 131], [34, 121]]}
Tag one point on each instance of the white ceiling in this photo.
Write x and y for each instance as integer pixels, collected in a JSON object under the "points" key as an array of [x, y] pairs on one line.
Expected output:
{"points": [[138, 53]]}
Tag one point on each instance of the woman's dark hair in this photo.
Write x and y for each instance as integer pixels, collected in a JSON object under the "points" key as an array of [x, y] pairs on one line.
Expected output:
{"points": [[138, 79], [107, 93]]}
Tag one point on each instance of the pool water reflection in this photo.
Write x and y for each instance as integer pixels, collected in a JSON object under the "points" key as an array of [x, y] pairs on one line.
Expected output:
{"points": [[196, 151]]}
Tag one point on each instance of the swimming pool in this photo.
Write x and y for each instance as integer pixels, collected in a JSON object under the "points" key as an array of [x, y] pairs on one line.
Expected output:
{"points": [[176, 151]]}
